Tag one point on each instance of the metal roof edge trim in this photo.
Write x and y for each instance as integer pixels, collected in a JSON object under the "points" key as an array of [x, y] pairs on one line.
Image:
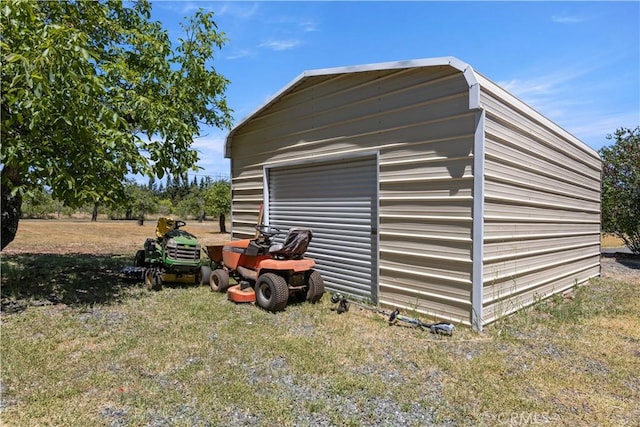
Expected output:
{"points": [[527, 109], [466, 69]]}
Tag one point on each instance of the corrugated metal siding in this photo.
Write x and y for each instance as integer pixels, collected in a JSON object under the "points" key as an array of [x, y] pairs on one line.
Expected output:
{"points": [[419, 122], [246, 198], [425, 224], [343, 218], [542, 206]]}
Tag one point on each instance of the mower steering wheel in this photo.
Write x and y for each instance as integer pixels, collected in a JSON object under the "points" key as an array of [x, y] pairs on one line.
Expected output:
{"points": [[268, 231], [179, 224]]}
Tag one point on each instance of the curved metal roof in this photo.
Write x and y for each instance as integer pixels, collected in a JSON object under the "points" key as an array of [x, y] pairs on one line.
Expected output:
{"points": [[416, 63], [474, 80]]}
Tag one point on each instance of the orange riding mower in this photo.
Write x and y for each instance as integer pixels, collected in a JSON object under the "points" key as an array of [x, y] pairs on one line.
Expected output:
{"points": [[264, 272]]}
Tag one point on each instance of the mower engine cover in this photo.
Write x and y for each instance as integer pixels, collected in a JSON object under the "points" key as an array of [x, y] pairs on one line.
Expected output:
{"points": [[174, 250], [181, 247]]}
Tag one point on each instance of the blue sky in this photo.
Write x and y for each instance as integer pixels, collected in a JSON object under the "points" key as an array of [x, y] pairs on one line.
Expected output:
{"points": [[578, 63]]}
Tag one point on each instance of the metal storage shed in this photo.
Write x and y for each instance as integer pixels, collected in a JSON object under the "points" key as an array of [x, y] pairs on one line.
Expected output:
{"points": [[428, 187]]}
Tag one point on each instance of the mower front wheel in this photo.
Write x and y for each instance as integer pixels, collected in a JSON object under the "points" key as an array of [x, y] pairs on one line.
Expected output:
{"points": [[204, 275], [272, 292], [139, 260], [315, 287], [219, 280], [153, 279]]}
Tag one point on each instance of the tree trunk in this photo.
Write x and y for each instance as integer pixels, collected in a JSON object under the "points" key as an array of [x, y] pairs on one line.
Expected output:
{"points": [[94, 214], [11, 205], [222, 222]]}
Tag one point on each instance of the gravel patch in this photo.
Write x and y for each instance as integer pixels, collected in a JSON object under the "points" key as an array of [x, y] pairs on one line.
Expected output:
{"points": [[621, 266], [5, 401], [101, 316], [114, 417], [316, 399], [184, 414]]}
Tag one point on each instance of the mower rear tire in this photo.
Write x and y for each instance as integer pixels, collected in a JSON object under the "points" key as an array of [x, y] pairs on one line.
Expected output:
{"points": [[204, 275], [219, 280], [272, 292], [153, 279], [315, 287]]}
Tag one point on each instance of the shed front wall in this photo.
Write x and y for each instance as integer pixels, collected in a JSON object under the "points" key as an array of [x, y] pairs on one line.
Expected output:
{"points": [[541, 206], [418, 122]]}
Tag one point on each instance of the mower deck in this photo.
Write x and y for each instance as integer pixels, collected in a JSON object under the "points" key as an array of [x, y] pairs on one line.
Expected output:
{"points": [[235, 294], [179, 278]]}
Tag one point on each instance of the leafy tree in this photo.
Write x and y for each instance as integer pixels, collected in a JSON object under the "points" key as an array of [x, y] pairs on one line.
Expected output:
{"points": [[140, 200], [217, 201], [621, 187], [152, 183], [93, 91], [165, 207], [182, 187], [39, 204], [188, 205], [169, 187]]}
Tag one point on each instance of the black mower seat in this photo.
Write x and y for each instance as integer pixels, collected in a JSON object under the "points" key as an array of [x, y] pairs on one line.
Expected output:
{"points": [[294, 246]]}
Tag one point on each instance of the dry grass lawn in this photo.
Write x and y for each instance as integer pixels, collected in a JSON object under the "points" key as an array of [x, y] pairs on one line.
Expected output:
{"points": [[611, 241], [83, 346], [101, 237]]}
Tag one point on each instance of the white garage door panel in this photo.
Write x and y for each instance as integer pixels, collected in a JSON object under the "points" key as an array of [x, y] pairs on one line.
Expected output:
{"points": [[338, 201]]}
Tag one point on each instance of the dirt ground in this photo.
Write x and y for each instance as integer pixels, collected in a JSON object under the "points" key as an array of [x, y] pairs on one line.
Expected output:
{"points": [[99, 238]]}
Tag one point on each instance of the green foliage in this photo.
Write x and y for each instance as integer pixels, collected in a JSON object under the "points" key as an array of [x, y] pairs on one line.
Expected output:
{"points": [[165, 206], [621, 187], [217, 198], [189, 205], [39, 204], [182, 198], [95, 91], [208, 198], [141, 201], [177, 188]]}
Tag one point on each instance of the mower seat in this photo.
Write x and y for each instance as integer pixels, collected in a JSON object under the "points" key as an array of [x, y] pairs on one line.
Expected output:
{"points": [[164, 225], [294, 246]]}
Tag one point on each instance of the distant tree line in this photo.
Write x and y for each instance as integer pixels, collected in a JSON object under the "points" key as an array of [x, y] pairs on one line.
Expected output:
{"points": [[199, 199]]}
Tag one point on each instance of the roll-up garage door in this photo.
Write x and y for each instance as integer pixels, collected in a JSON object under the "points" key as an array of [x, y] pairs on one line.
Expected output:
{"points": [[338, 201]]}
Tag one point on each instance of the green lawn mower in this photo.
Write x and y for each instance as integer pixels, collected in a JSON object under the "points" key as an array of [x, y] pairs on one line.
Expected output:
{"points": [[173, 256]]}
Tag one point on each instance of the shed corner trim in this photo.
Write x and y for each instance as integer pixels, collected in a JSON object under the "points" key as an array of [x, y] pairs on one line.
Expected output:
{"points": [[470, 76]]}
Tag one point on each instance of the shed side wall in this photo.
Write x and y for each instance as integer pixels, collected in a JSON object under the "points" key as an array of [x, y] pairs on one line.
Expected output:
{"points": [[542, 206], [419, 122]]}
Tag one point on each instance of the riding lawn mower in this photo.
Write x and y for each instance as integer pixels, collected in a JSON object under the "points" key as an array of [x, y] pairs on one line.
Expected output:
{"points": [[172, 256], [266, 272]]}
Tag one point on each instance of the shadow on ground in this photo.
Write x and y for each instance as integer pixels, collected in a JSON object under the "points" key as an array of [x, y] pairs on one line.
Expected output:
{"points": [[70, 279], [627, 259]]}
